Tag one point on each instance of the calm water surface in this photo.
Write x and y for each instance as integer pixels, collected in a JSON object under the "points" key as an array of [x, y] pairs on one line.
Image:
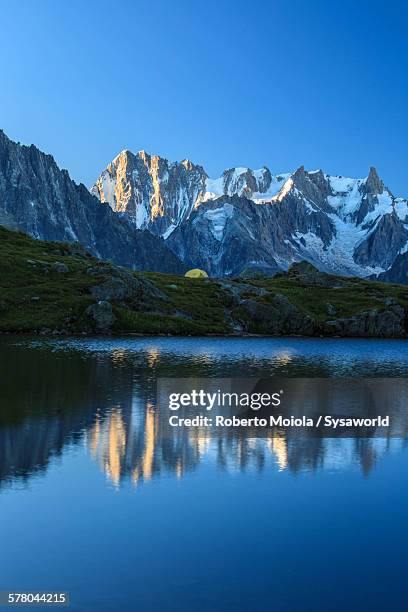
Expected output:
{"points": [[95, 500]]}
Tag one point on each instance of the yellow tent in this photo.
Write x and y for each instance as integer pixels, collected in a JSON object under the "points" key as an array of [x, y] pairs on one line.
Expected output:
{"points": [[196, 273]]}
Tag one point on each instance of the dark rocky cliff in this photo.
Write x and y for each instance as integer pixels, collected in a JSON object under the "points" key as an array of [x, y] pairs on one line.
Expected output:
{"points": [[42, 200]]}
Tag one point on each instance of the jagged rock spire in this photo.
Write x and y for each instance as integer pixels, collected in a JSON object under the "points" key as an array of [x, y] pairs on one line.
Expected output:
{"points": [[374, 184]]}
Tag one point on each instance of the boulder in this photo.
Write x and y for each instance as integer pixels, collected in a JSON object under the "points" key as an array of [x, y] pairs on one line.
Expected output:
{"points": [[122, 285], [302, 268], [99, 270], [330, 309], [115, 289], [237, 288], [305, 273], [389, 323], [295, 321], [277, 317], [101, 314], [59, 267]]}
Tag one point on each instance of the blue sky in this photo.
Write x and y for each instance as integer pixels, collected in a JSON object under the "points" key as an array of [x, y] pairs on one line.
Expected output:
{"points": [[276, 83]]}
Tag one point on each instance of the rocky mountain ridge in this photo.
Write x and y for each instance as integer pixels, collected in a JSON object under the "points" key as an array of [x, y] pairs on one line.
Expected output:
{"points": [[145, 212], [39, 198], [251, 220], [152, 192]]}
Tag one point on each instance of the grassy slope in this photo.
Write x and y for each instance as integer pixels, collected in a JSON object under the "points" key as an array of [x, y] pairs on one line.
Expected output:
{"points": [[195, 306], [359, 296]]}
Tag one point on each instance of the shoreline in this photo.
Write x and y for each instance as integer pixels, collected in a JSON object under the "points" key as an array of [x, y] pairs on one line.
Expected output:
{"points": [[248, 336]]}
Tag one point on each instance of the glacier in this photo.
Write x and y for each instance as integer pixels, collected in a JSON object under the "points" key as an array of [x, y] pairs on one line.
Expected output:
{"points": [[252, 219]]}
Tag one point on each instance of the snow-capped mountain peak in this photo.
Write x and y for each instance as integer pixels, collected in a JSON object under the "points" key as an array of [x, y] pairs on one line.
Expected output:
{"points": [[249, 218], [154, 193]]}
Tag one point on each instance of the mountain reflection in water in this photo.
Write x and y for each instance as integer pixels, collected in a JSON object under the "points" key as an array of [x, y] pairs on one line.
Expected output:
{"points": [[133, 448], [102, 394]]}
